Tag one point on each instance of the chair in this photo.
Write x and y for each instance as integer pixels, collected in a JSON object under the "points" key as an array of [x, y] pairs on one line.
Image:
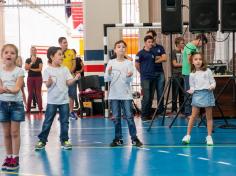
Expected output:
{"points": [[90, 93]]}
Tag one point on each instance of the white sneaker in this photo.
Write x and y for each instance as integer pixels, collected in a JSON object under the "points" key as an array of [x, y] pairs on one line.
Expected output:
{"points": [[186, 139], [209, 140]]}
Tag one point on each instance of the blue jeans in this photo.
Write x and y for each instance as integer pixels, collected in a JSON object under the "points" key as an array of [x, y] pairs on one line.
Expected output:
{"points": [[187, 107], [160, 85], [148, 88], [50, 113], [126, 106]]}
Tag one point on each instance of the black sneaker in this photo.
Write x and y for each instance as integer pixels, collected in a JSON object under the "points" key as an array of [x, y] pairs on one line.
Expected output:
{"points": [[14, 164], [136, 142], [6, 163], [116, 142]]}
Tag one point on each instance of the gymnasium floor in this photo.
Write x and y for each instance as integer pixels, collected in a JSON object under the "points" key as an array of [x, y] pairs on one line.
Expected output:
{"points": [[162, 153]]}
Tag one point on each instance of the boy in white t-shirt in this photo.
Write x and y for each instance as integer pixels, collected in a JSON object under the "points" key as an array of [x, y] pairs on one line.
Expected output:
{"points": [[57, 79]]}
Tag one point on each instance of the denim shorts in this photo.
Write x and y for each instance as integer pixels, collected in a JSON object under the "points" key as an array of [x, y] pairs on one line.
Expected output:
{"points": [[12, 111], [203, 98], [72, 91]]}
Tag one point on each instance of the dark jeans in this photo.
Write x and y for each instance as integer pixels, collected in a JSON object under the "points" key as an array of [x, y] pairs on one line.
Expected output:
{"points": [[176, 91], [50, 113], [148, 88], [187, 107], [126, 107], [160, 85]]}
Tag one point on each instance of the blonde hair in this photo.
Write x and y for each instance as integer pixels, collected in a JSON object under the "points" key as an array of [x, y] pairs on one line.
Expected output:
{"points": [[9, 45]]}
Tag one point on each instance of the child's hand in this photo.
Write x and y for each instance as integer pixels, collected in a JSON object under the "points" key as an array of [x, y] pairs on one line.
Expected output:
{"points": [[50, 81], [77, 76], [129, 74], [190, 91], [3, 90], [211, 87], [109, 70]]}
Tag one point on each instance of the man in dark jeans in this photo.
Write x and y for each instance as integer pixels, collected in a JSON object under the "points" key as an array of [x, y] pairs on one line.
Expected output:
{"points": [[160, 54], [144, 63], [176, 61]]}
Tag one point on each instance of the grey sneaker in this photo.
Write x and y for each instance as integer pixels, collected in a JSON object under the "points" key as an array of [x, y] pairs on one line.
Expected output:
{"points": [[66, 145], [40, 145]]}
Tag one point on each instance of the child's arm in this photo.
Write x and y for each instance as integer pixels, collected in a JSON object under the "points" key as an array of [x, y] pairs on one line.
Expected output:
{"points": [[191, 84], [49, 82], [129, 72], [72, 81], [2, 89], [211, 80], [18, 86], [108, 71]]}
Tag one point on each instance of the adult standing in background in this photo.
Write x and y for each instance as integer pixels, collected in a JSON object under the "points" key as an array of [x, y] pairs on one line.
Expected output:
{"points": [[79, 68], [160, 57], [144, 64], [189, 49], [19, 63], [70, 63], [176, 63], [34, 67]]}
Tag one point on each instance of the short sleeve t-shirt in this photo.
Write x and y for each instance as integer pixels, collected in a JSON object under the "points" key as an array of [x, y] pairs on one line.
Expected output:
{"points": [[188, 49], [177, 55], [146, 59], [9, 79], [69, 56], [158, 50], [35, 65], [58, 91]]}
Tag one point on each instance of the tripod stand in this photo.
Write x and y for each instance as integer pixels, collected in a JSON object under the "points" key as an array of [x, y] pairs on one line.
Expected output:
{"points": [[166, 88]]}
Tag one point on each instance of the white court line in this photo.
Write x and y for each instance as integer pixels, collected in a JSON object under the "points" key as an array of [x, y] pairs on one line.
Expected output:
{"points": [[201, 158], [143, 148], [97, 142], [105, 128], [163, 151], [182, 154], [225, 163]]}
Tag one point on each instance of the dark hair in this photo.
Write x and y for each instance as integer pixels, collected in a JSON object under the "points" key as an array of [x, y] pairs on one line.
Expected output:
{"points": [[204, 64], [202, 37], [148, 37], [178, 40], [154, 34], [51, 52], [74, 51], [60, 39], [118, 42]]}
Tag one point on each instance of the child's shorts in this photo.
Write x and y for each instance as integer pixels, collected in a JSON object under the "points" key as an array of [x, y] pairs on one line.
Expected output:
{"points": [[203, 98], [12, 111]]}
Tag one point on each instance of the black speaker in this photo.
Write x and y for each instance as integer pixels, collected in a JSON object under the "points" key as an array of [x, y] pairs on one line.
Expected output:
{"points": [[203, 15], [171, 16], [228, 15]]}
